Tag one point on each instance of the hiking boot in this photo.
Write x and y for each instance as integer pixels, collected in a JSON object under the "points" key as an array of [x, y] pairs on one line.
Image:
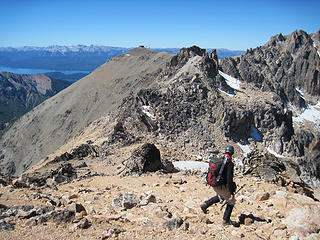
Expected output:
{"points": [[204, 207], [208, 203], [226, 222], [230, 222]]}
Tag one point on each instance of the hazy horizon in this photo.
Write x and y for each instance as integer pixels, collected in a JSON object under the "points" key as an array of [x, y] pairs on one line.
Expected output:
{"points": [[236, 25]]}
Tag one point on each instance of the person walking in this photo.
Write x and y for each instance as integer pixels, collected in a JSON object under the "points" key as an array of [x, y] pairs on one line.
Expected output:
{"points": [[226, 189]]}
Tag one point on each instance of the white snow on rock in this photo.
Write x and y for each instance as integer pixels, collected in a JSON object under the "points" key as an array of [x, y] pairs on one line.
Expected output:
{"points": [[231, 81], [274, 153], [245, 148], [312, 114], [300, 93], [317, 49], [190, 165], [146, 110], [238, 164]]}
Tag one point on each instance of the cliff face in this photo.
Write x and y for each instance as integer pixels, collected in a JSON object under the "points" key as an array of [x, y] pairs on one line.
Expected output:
{"points": [[283, 65]]}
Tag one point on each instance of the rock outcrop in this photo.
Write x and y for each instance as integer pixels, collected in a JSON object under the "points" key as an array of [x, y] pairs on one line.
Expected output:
{"points": [[282, 65], [187, 104], [144, 159]]}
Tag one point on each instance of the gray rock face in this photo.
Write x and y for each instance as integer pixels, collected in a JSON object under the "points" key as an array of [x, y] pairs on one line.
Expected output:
{"points": [[187, 107], [192, 104], [63, 174], [79, 152], [281, 65], [22, 92]]}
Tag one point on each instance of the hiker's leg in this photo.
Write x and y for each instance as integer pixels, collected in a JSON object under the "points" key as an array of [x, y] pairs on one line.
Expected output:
{"points": [[227, 214], [209, 202]]}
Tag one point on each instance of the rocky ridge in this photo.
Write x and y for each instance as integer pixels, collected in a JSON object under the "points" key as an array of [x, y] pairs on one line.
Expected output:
{"points": [[289, 67], [284, 65], [189, 108], [188, 111], [52, 124]]}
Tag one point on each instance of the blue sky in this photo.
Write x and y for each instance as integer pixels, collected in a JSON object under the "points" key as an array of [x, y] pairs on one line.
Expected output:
{"points": [[208, 24]]}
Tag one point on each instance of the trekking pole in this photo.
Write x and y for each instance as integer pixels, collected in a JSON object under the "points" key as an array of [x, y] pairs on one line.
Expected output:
{"points": [[233, 194]]}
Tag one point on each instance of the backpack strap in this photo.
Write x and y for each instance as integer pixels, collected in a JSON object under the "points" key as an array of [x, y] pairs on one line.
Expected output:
{"points": [[226, 159]]}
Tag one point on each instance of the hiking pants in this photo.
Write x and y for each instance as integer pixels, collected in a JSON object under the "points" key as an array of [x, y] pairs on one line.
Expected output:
{"points": [[224, 194]]}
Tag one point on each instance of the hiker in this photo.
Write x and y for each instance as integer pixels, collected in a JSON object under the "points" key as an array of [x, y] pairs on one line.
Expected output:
{"points": [[226, 189]]}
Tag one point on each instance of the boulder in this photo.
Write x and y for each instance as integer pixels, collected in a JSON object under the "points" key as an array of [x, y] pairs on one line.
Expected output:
{"points": [[59, 216], [264, 196], [82, 224], [79, 208], [79, 152], [125, 201], [14, 210], [145, 158], [173, 224], [5, 179], [18, 183], [5, 226]]}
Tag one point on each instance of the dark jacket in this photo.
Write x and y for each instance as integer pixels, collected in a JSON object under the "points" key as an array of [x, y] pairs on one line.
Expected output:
{"points": [[227, 176]]}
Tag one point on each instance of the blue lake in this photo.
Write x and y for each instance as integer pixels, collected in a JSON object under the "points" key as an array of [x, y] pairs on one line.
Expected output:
{"points": [[33, 71]]}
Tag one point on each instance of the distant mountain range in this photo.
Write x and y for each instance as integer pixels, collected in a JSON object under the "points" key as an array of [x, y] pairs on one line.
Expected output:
{"points": [[80, 57]]}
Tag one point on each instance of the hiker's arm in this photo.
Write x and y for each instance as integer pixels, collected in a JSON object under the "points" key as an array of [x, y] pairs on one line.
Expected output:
{"points": [[230, 184]]}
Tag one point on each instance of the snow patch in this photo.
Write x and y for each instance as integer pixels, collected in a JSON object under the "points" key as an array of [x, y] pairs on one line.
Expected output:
{"points": [[190, 165], [245, 148], [300, 93], [274, 153], [312, 114], [231, 81], [314, 45], [238, 164], [146, 110], [255, 134]]}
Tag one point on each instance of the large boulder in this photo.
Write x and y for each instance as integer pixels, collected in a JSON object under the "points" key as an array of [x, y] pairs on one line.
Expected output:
{"points": [[145, 158]]}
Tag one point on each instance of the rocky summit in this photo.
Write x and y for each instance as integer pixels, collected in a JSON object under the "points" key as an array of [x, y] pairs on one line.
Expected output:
{"points": [[102, 159]]}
